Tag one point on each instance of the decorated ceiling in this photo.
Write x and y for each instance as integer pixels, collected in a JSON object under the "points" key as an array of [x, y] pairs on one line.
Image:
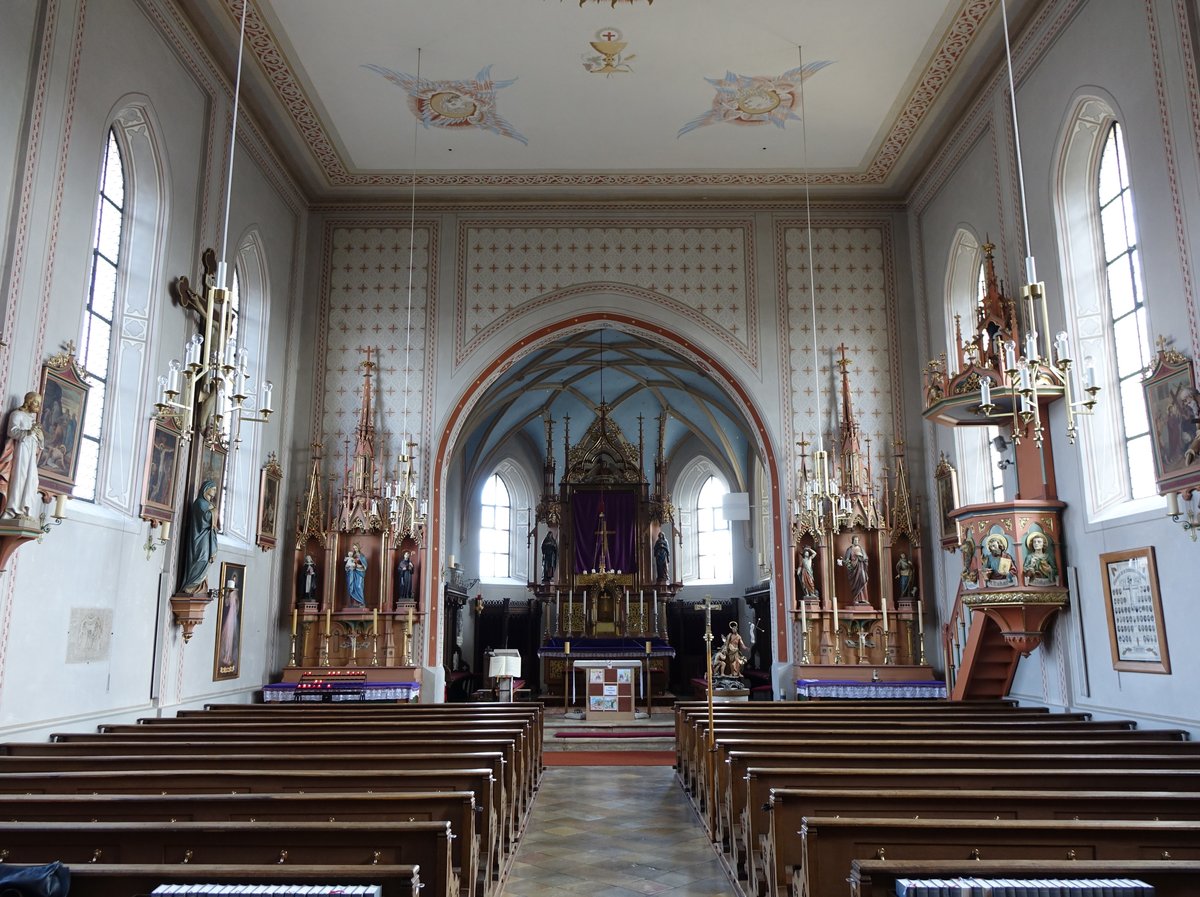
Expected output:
{"points": [[699, 97]]}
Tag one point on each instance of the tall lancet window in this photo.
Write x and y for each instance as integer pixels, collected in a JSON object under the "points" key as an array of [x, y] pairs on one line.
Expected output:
{"points": [[1127, 310], [714, 548], [495, 526], [98, 314]]}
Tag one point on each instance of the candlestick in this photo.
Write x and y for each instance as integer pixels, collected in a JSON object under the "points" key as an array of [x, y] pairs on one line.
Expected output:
{"points": [[920, 632], [293, 621], [375, 622]]}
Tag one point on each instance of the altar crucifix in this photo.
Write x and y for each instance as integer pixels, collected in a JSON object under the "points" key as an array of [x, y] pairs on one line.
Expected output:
{"points": [[602, 560]]}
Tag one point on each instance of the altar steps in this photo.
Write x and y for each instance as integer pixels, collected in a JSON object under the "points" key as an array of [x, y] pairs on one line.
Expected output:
{"points": [[566, 734]]}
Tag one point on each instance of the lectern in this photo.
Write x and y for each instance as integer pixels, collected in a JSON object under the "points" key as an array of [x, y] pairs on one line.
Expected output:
{"points": [[504, 666]]}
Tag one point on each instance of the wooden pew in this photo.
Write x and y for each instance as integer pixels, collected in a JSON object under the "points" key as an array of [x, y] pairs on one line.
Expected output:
{"points": [[425, 845], [459, 808], [788, 807], [1170, 878], [920, 747], [279, 747], [830, 844], [691, 722], [696, 754], [332, 762], [916, 729], [760, 781], [522, 733], [362, 736], [113, 880], [480, 713], [270, 780], [995, 756]]}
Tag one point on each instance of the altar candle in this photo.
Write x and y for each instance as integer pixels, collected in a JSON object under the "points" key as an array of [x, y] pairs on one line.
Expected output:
{"points": [[642, 605], [410, 620], [883, 606], [627, 607], [567, 647], [920, 621], [557, 595], [293, 621], [647, 647], [585, 611], [835, 615], [804, 618], [1173, 504], [375, 622], [329, 621]]}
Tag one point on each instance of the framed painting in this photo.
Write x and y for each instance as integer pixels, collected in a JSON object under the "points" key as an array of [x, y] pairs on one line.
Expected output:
{"points": [[1173, 403], [64, 390], [210, 465], [1137, 632], [162, 461], [945, 480], [228, 650], [270, 483]]}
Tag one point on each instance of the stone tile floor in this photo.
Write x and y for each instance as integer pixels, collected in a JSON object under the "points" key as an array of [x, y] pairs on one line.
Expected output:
{"points": [[614, 831]]}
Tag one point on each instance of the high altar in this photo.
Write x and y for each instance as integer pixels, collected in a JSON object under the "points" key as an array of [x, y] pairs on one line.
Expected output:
{"points": [[606, 544], [358, 556]]}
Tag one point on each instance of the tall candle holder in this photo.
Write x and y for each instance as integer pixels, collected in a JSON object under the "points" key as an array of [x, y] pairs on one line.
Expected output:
{"points": [[375, 649], [293, 662], [323, 658]]}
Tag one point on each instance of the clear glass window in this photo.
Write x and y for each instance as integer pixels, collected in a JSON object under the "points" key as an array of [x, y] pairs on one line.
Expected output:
{"points": [[98, 314], [495, 527], [714, 550], [1127, 310]]}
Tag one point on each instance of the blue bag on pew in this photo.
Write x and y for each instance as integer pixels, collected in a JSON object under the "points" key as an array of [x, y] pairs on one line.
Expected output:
{"points": [[45, 880]]}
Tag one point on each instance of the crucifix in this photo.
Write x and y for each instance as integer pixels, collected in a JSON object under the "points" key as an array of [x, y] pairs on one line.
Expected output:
{"points": [[602, 534], [708, 607]]}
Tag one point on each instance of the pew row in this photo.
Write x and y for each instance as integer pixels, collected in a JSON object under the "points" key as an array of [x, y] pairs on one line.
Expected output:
{"points": [[1170, 878], [760, 781], [425, 845], [122, 880], [732, 784], [269, 781], [788, 807], [830, 844], [456, 807]]}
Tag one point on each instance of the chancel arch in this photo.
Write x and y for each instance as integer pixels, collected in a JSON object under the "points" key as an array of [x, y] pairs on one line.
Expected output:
{"points": [[612, 406]]}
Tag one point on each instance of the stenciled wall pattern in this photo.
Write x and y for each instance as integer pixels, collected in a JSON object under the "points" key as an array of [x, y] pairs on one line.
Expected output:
{"points": [[366, 304], [853, 277], [704, 272]]}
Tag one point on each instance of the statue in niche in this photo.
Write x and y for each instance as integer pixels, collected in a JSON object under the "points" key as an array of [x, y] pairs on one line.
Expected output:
{"points": [[549, 557], [356, 574], [404, 577], [307, 583], [856, 563], [662, 557], [906, 577], [808, 578]]}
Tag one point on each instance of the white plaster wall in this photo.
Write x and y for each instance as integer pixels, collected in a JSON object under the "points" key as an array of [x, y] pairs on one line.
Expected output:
{"points": [[103, 52], [16, 63], [1137, 54]]}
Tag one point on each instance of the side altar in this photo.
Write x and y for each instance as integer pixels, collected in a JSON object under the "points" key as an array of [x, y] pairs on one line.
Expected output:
{"points": [[605, 541], [359, 550], [856, 543]]}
